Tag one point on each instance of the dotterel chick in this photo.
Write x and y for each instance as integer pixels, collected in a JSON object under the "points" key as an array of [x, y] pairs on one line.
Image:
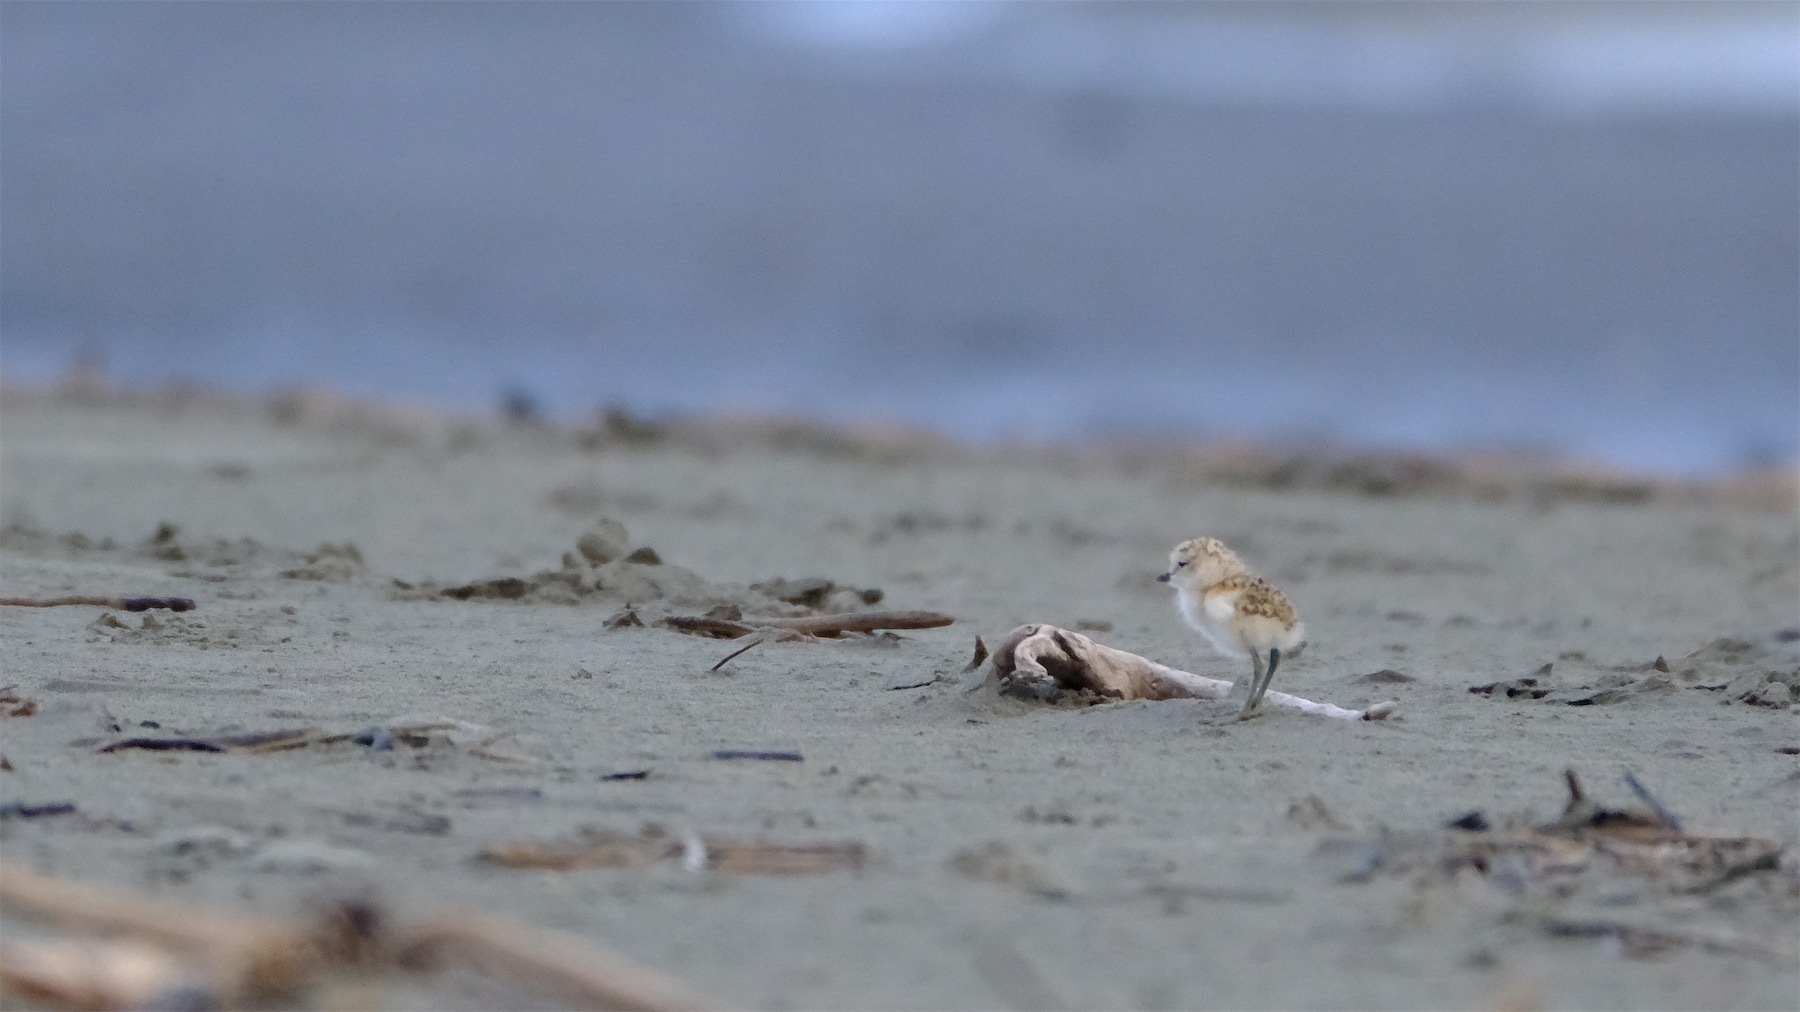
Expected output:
{"points": [[1240, 612]]}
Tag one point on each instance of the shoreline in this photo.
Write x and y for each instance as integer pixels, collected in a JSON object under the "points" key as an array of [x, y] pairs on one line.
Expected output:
{"points": [[1485, 474]]}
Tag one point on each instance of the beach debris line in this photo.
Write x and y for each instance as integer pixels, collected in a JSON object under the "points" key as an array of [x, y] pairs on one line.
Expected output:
{"points": [[108, 947], [655, 844], [1744, 671], [603, 566], [1648, 843], [1571, 876], [1043, 660], [119, 603]]}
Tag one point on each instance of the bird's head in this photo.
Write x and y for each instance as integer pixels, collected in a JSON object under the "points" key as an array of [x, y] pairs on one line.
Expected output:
{"points": [[1201, 562]]}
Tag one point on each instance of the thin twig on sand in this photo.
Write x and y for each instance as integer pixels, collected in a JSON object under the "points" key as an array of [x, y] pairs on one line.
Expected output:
{"points": [[759, 641], [543, 960]]}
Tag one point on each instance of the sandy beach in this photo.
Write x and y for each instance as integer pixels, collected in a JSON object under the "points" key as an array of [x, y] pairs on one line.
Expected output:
{"points": [[1015, 852]]}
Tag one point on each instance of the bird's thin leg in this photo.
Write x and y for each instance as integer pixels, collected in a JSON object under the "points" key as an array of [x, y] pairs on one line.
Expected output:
{"points": [[1256, 674], [1268, 673]]}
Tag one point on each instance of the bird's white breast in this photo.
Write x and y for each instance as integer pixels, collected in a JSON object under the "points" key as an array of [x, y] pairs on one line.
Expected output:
{"points": [[1212, 618]]}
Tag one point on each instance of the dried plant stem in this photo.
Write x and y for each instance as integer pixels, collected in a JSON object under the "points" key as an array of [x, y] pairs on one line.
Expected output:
{"points": [[121, 603]]}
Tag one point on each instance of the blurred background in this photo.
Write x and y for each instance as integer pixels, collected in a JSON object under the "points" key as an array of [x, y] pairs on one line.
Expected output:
{"points": [[1570, 228]]}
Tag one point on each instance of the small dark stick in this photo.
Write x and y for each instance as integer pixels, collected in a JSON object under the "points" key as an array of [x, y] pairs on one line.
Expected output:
{"points": [[1668, 818], [121, 603], [165, 745], [981, 654], [26, 810], [753, 643], [743, 753], [149, 603]]}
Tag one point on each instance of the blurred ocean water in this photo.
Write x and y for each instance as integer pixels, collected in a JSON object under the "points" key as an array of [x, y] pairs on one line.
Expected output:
{"points": [[1566, 227]]}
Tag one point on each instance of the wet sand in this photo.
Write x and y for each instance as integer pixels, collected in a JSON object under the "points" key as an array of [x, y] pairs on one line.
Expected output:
{"points": [[1022, 854]]}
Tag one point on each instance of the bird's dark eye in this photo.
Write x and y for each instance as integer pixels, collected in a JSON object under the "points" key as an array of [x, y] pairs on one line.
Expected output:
{"points": [[1183, 562]]}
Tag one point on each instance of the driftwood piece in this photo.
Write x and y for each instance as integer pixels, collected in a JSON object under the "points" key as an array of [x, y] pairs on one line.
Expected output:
{"points": [[1653, 844], [93, 974], [120, 603], [863, 622], [1589, 858], [246, 959], [164, 955], [1075, 662], [541, 960], [827, 626], [811, 625]]}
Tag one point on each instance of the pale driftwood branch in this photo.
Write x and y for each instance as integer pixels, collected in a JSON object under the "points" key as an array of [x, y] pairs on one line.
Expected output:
{"points": [[163, 950], [1075, 662], [92, 974], [548, 961], [250, 958]]}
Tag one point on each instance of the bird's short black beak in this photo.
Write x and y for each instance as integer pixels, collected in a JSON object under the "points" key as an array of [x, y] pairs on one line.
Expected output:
{"points": [[1162, 578]]}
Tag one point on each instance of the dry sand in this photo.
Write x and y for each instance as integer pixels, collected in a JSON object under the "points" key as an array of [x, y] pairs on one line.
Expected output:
{"points": [[1121, 855]]}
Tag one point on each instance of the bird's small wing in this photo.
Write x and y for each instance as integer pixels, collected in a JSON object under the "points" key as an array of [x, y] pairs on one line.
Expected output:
{"points": [[1264, 600]]}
